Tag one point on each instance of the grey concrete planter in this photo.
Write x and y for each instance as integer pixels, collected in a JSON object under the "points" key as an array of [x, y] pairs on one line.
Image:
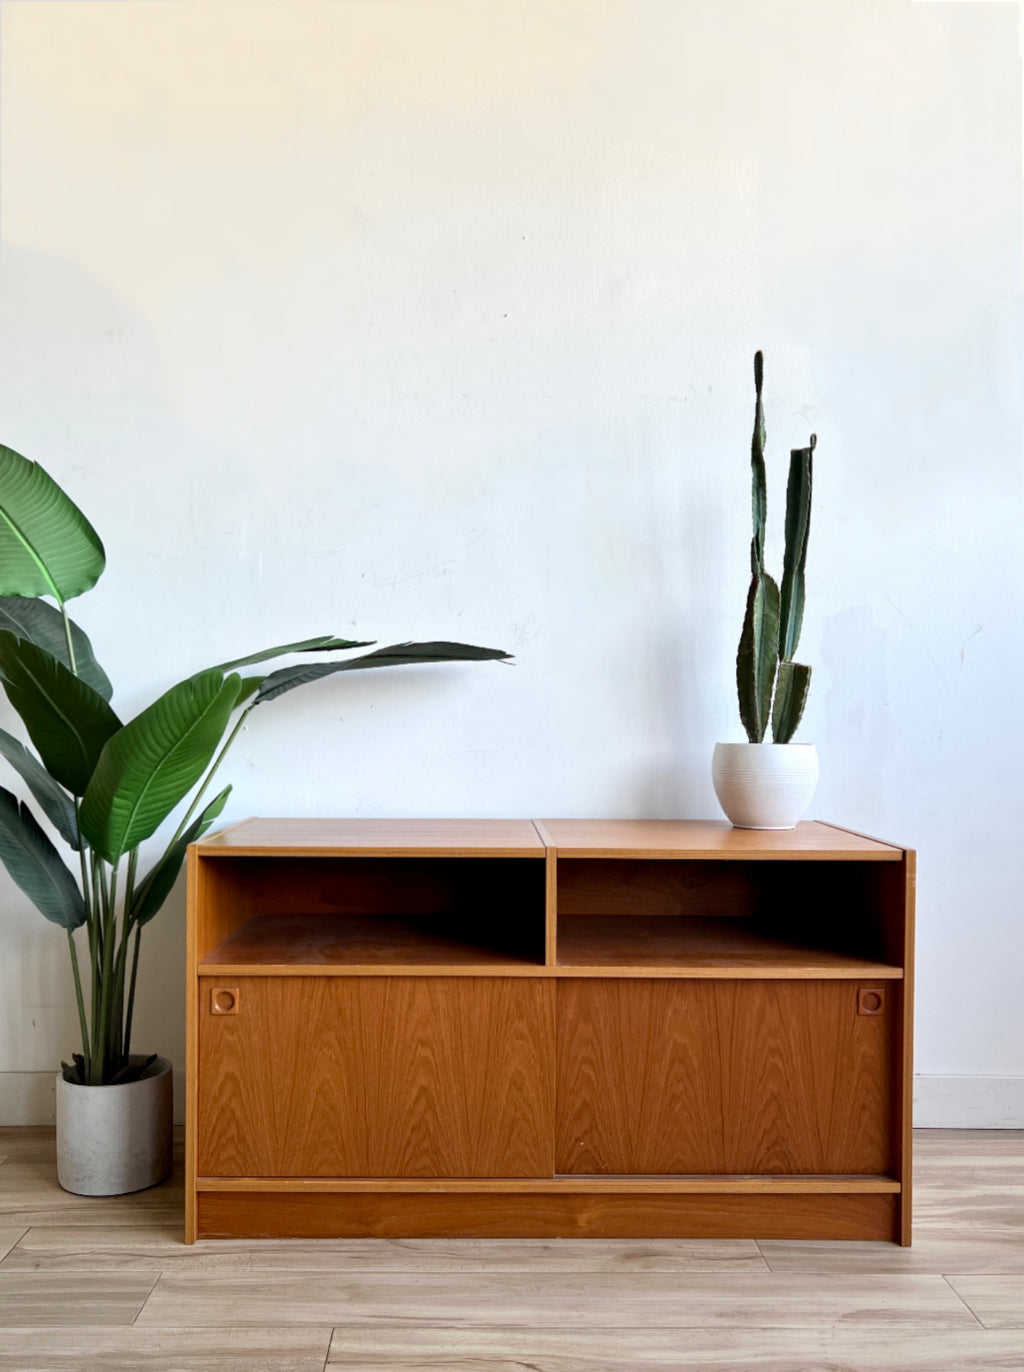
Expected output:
{"points": [[115, 1139]]}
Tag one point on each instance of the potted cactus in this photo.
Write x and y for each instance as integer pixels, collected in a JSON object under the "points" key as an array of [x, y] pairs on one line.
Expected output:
{"points": [[762, 785], [104, 787]]}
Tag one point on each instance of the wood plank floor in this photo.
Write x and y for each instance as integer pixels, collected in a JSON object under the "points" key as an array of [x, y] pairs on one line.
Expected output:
{"points": [[108, 1284]]}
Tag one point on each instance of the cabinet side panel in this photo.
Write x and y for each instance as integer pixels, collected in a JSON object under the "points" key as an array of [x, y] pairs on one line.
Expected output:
{"points": [[698, 1077], [551, 908], [191, 1045], [366, 1076], [222, 899], [888, 903], [905, 1076]]}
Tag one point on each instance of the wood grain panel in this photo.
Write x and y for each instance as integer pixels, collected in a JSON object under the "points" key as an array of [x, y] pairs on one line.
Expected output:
{"points": [[812, 1341], [900, 915], [386, 1215], [263, 1348], [378, 1077], [721, 1077], [329, 944], [45, 1298], [667, 886], [112, 1248], [606, 1301], [752, 1185], [716, 839], [997, 1301], [9, 1237], [380, 837], [662, 945]]}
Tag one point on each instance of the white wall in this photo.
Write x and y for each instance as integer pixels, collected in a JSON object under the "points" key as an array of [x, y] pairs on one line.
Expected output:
{"points": [[410, 319]]}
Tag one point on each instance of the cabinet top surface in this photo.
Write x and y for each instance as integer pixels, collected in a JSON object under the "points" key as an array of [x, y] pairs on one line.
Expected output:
{"points": [[707, 838], [585, 838], [377, 838]]}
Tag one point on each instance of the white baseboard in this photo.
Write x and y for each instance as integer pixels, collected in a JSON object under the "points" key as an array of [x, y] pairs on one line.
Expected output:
{"points": [[939, 1102], [30, 1098], [969, 1102]]}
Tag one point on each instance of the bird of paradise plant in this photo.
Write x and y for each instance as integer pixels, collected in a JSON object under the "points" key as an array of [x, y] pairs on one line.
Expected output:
{"points": [[106, 786]]}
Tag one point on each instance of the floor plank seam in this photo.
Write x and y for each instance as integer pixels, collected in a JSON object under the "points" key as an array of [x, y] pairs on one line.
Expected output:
{"points": [[956, 1293], [15, 1244], [149, 1293], [330, 1345], [764, 1256]]}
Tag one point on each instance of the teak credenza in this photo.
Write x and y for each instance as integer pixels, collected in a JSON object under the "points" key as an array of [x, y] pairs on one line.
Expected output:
{"points": [[569, 1027]]}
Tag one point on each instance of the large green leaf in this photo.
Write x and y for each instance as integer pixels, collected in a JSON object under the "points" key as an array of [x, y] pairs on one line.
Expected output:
{"points": [[398, 655], [250, 685], [154, 761], [758, 656], [47, 546], [36, 866], [790, 698], [151, 893], [54, 801], [326, 643], [66, 719], [40, 623], [759, 487], [798, 523]]}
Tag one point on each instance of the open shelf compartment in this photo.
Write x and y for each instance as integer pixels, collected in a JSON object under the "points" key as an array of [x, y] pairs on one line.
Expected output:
{"points": [[345, 916], [666, 916]]}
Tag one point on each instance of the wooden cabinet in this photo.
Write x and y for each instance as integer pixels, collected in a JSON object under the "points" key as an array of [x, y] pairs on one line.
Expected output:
{"points": [[539, 1028]]}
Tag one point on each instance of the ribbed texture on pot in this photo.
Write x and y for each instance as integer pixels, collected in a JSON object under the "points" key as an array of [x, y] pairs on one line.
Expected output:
{"points": [[765, 785]]}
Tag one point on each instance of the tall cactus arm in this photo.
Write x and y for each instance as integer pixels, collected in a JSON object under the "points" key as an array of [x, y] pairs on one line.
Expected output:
{"points": [[758, 656], [790, 699], [759, 487], [798, 523]]}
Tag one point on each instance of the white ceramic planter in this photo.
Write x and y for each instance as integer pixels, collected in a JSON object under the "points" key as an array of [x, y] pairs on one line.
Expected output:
{"points": [[115, 1139], [765, 785]]}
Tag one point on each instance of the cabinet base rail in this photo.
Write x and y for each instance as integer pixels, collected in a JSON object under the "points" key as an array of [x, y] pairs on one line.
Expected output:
{"points": [[761, 1208], [564, 1184]]}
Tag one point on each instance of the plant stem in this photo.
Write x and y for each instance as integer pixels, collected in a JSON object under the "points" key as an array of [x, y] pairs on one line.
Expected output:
{"points": [[113, 898], [131, 994], [115, 1000], [129, 888], [106, 982], [96, 949], [68, 639], [124, 1022], [90, 926], [117, 1005], [211, 774], [86, 1050]]}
